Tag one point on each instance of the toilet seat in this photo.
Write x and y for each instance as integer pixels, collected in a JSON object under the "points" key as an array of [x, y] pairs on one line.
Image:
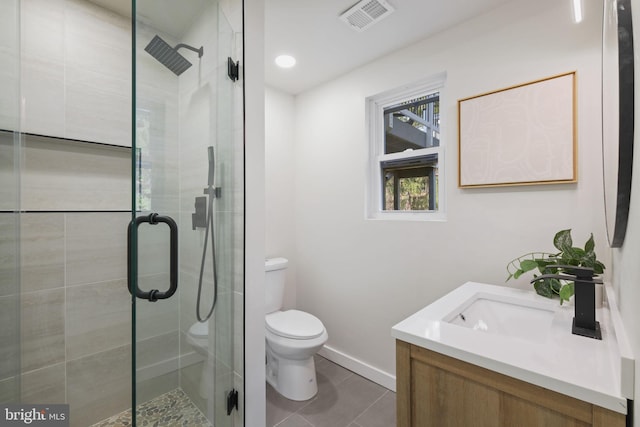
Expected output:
{"points": [[294, 324]]}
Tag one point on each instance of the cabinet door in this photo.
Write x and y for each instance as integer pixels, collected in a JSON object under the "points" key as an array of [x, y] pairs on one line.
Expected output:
{"points": [[444, 399], [519, 412]]}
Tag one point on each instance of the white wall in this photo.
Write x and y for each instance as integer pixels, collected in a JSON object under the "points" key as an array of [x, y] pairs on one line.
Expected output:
{"points": [[279, 183], [625, 260], [362, 276]]}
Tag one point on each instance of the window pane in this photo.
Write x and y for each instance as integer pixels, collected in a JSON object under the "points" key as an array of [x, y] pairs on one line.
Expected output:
{"points": [[411, 189], [412, 124]]}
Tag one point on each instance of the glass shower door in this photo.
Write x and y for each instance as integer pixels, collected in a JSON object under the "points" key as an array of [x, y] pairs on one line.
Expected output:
{"points": [[10, 150], [186, 233]]}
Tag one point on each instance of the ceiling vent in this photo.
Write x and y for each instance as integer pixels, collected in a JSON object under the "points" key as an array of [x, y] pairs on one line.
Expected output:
{"points": [[366, 13]]}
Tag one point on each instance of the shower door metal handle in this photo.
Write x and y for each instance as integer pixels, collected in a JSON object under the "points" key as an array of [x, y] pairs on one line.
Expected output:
{"points": [[154, 294]]}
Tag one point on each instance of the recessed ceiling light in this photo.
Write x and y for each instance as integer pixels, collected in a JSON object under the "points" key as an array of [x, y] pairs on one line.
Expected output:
{"points": [[285, 61]]}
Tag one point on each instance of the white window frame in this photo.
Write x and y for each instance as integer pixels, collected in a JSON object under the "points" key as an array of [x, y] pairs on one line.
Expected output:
{"points": [[375, 106]]}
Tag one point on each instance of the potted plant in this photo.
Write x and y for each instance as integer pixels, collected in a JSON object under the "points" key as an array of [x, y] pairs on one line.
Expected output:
{"points": [[546, 263]]}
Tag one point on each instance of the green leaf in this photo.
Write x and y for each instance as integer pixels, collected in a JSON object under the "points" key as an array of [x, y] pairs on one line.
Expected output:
{"points": [[589, 260], [528, 265], [562, 240], [572, 255], [543, 288], [555, 285], [547, 263], [542, 264], [590, 245], [566, 292], [578, 252]]}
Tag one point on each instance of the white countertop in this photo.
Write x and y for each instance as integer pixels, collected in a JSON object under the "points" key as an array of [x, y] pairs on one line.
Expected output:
{"points": [[595, 371]]}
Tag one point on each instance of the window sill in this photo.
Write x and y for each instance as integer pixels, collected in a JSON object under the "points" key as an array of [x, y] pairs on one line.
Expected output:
{"points": [[408, 216]]}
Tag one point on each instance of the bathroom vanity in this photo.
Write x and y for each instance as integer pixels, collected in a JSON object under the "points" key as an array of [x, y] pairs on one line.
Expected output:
{"points": [[487, 355]]}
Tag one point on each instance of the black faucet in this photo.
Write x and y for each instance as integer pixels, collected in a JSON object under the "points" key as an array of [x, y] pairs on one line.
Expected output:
{"points": [[584, 322]]}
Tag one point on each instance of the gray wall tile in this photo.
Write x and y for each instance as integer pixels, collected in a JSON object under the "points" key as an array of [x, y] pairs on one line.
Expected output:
{"points": [[42, 325], [9, 336], [43, 94], [9, 253], [41, 251], [46, 385], [98, 107], [98, 318], [157, 349], [67, 175], [9, 168], [9, 390], [96, 247], [99, 386], [154, 387], [155, 318]]}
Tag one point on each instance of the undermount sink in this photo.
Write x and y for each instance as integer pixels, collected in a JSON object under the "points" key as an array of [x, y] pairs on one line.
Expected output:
{"points": [[520, 334], [508, 317]]}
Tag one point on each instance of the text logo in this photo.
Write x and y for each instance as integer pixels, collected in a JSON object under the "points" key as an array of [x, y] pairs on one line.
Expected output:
{"points": [[34, 415]]}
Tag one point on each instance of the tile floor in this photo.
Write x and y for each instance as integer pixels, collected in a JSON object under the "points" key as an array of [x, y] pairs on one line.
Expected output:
{"points": [[344, 399]]}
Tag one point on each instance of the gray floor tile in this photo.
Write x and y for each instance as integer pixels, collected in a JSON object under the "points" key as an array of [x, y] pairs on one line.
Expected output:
{"points": [[295, 420], [338, 406], [334, 373], [279, 407], [344, 399], [381, 414]]}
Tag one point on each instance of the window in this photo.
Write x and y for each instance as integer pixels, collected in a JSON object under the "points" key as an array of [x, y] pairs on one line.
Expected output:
{"points": [[406, 153]]}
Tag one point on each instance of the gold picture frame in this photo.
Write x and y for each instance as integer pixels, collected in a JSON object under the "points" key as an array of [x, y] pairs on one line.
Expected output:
{"points": [[520, 135]]}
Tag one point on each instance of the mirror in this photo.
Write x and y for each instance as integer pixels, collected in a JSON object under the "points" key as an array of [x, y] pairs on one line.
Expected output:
{"points": [[617, 116]]}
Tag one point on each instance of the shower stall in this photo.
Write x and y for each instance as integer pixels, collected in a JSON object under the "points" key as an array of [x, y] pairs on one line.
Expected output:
{"points": [[122, 211]]}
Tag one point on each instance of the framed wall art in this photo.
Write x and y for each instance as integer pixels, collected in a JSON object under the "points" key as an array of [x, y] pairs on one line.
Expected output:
{"points": [[521, 135]]}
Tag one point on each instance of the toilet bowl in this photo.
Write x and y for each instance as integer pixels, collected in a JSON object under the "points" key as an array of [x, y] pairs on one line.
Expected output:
{"points": [[292, 338], [198, 338]]}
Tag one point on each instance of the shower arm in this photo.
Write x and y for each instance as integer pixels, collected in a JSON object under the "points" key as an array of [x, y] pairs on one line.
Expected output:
{"points": [[186, 46]]}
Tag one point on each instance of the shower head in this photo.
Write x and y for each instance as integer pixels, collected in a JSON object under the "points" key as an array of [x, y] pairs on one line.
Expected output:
{"points": [[169, 56]]}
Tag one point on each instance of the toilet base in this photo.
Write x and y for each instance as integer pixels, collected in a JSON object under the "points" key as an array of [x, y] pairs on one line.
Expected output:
{"points": [[294, 379]]}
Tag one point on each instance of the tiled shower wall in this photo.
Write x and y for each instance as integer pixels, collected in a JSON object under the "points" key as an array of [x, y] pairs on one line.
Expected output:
{"points": [[76, 328], [75, 308], [74, 304], [74, 325], [76, 66]]}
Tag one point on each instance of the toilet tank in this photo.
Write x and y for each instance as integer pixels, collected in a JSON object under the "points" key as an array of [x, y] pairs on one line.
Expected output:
{"points": [[275, 269]]}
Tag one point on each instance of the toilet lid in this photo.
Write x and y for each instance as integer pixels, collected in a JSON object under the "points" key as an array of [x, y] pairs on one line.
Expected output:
{"points": [[294, 324], [199, 330]]}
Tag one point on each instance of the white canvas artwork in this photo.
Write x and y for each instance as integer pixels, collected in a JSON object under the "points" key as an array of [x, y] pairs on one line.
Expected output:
{"points": [[522, 135]]}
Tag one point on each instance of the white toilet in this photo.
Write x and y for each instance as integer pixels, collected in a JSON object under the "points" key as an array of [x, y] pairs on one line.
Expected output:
{"points": [[292, 338], [198, 338]]}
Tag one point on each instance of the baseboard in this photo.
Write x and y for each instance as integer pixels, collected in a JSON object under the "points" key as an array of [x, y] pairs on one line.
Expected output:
{"points": [[361, 368]]}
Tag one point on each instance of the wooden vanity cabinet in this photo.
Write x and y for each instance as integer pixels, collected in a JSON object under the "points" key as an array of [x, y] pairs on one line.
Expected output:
{"points": [[434, 390]]}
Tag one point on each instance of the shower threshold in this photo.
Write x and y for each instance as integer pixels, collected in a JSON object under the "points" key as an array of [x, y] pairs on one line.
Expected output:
{"points": [[172, 409]]}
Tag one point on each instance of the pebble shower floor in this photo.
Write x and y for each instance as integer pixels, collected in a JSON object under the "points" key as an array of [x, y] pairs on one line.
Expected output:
{"points": [[172, 409]]}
